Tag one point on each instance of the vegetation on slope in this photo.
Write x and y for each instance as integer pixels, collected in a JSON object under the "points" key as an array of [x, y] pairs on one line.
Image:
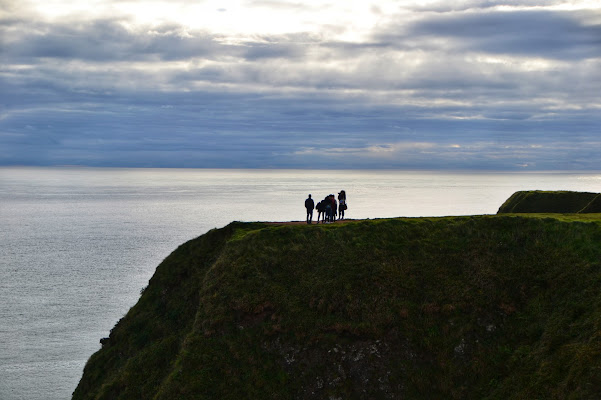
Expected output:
{"points": [[484, 307], [538, 201]]}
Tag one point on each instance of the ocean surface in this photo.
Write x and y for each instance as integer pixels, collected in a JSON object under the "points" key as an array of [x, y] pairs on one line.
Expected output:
{"points": [[77, 245]]}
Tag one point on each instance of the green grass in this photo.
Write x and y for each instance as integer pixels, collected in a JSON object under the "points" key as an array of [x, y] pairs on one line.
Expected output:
{"points": [[482, 307]]}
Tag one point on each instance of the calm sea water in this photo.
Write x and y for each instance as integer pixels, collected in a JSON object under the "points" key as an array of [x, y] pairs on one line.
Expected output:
{"points": [[78, 245]]}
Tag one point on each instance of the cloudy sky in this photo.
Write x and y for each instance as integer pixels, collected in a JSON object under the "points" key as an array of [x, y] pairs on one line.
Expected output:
{"points": [[467, 84]]}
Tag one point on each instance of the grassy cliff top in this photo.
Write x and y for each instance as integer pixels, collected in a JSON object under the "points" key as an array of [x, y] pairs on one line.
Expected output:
{"points": [[539, 201], [481, 307]]}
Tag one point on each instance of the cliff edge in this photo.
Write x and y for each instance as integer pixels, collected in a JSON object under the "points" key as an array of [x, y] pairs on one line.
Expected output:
{"points": [[495, 307]]}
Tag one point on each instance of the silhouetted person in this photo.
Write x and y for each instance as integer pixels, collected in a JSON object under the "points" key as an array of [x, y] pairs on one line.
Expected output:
{"points": [[342, 204], [328, 208], [309, 205], [320, 211], [334, 208]]}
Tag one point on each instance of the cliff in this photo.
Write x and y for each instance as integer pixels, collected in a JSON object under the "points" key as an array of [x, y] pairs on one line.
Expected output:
{"points": [[482, 307], [538, 201]]}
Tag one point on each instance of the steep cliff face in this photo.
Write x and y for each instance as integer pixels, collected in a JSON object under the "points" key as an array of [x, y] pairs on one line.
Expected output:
{"points": [[538, 201], [465, 307]]}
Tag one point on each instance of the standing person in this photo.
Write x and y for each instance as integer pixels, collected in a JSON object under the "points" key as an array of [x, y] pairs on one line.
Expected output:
{"points": [[342, 204], [309, 205], [334, 208], [328, 209]]}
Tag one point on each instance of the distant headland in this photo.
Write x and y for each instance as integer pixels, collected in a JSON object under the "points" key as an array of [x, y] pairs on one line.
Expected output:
{"points": [[538, 201]]}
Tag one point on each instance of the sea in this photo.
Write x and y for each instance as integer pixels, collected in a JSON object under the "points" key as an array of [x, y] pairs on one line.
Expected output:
{"points": [[77, 245]]}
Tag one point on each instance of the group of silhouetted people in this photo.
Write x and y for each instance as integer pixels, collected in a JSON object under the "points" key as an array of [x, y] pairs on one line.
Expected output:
{"points": [[328, 209]]}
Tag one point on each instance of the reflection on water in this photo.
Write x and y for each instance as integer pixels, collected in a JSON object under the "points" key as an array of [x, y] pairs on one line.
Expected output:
{"points": [[77, 245]]}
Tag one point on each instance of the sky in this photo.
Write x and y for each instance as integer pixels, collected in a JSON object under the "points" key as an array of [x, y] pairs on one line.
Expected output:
{"points": [[509, 85]]}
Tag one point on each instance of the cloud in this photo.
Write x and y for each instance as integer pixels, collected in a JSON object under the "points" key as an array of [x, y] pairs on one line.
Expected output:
{"points": [[475, 85], [475, 155], [104, 41], [468, 5], [549, 34]]}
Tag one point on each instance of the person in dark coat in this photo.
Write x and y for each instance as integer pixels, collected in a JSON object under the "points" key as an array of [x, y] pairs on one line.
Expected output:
{"points": [[309, 205], [333, 207], [328, 208], [320, 211], [341, 204]]}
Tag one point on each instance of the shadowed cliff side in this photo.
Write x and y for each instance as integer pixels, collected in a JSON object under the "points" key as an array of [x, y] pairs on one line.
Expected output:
{"points": [[476, 307], [538, 201]]}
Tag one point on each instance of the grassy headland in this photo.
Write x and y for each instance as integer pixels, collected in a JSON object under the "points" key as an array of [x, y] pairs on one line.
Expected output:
{"points": [[540, 201], [481, 307]]}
